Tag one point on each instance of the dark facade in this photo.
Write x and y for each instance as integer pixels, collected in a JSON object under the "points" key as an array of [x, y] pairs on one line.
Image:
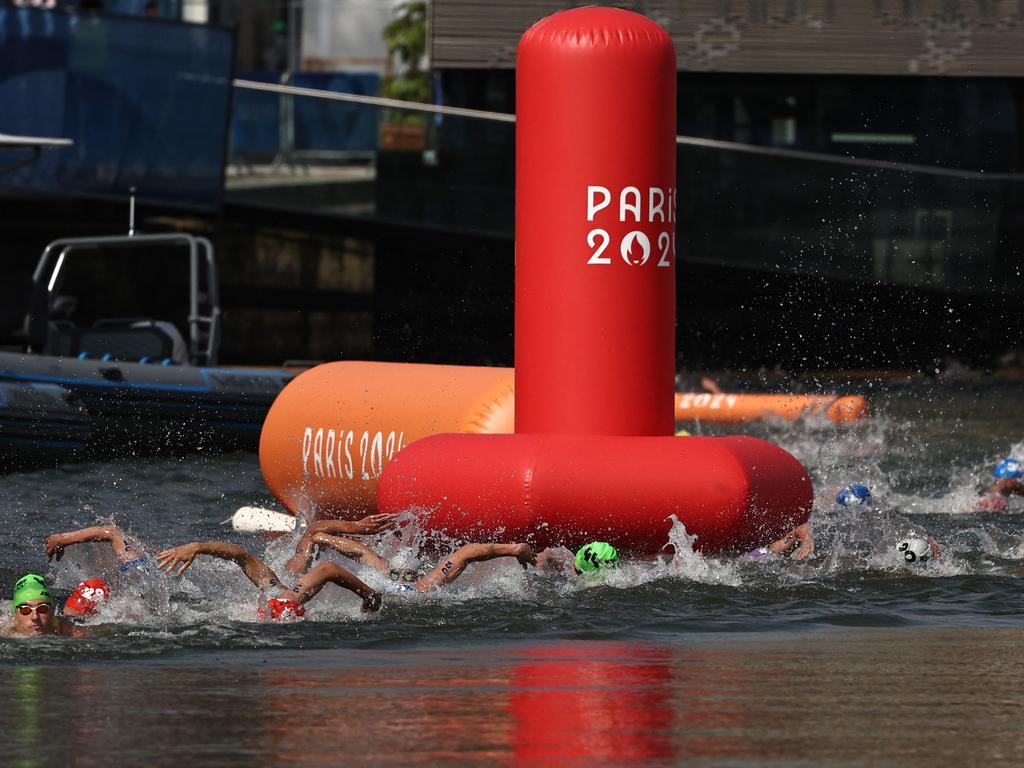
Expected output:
{"points": [[873, 37], [789, 259]]}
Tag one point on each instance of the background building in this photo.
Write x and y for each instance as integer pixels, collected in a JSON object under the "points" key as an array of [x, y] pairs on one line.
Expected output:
{"points": [[850, 175]]}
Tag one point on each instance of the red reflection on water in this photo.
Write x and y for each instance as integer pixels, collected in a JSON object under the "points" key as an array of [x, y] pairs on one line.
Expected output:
{"points": [[607, 701]]}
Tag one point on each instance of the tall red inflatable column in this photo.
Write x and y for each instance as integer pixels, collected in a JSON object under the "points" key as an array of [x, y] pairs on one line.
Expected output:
{"points": [[593, 456], [595, 225]]}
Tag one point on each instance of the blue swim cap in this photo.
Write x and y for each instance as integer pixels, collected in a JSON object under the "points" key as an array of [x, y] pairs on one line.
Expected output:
{"points": [[853, 496], [1009, 467]]}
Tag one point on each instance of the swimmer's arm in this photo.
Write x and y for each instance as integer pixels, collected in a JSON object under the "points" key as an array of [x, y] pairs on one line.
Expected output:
{"points": [[256, 570], [310, 584], [68, 629], [802, 536], [321, 532], [304, 550], [368, 525], [806, 537], [452, 567], [352, 549], [1007, 486], [56, 543]]}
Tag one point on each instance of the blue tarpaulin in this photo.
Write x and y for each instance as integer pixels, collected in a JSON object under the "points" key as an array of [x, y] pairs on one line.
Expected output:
{"points": [[146, 103]]}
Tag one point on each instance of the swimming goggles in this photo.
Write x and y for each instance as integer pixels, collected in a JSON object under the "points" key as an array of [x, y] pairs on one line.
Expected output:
{"points": [[396, 575], [140, 563], [42, 609]]}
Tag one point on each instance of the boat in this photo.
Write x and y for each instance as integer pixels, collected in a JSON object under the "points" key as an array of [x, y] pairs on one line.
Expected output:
{"points": [[41, 424], [126, 385]]}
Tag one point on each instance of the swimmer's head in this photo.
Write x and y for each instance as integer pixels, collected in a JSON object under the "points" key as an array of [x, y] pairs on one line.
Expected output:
{"points": [[854, 496], [87, 597], [32, 606], [282, 609], [30, 588], [1009, 467], [915, 550], [405, 567], [595, 556], [403, 576]]}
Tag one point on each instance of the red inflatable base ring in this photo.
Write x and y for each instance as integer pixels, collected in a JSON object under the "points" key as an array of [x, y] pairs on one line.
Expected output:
{"points": [[732, 493]]}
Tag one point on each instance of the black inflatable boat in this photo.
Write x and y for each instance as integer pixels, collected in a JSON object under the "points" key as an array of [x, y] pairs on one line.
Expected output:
{"points": [[126, 385]]}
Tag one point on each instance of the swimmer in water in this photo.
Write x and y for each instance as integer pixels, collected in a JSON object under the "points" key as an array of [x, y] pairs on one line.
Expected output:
{"points": [[32, 613], [405, 579], [91, 594], [589, 559], [284, 603], [796, 544], [1007, 474], [304, 550], [856, 495], [918, 549]]}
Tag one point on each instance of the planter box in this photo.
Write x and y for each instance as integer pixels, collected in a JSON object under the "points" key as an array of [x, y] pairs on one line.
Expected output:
{"points": [[397, 136]]}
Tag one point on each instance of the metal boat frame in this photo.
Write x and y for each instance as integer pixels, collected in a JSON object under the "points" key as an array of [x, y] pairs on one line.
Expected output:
{"points": [[204, 318]]}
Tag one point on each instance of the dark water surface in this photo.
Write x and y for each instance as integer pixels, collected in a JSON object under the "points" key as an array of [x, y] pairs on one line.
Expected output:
{"points": [[849, 658]]}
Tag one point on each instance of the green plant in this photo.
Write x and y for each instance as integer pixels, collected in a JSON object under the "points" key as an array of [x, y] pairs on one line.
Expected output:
{"points": [[406, 41]]}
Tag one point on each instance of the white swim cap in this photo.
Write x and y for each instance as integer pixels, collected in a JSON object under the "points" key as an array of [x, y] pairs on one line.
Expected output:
{"points": [[915, 550]]}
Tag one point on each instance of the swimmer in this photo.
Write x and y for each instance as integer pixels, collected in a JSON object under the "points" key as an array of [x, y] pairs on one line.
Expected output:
{"points": [[33, 614], [304, 550], [855, 495], [92, 593], [284, 603], [408, 579], [1007, 474], [796, 544], [918, 549], [589, 559]]}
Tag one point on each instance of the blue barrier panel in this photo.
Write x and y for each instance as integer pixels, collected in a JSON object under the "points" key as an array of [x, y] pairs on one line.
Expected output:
{"points": [[145, 101], [255, 120], [334, 125]]}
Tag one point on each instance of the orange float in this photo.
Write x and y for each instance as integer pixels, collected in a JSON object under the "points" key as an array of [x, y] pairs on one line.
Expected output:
{"points": [[333, 429], [724, 408]]}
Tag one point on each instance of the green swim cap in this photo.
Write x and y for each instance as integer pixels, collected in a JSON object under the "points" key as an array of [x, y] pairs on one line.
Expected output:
{"points": [[29, 587], [596, 555]]}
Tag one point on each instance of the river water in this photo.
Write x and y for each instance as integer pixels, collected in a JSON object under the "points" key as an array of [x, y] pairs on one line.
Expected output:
{"points": [[849, 658]]}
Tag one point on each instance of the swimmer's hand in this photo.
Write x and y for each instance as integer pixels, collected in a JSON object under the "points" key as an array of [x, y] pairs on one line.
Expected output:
{"points": [[375, 523], [805, 550], [524, 554], [178, 557], [54, 547], [372, 602], [798, 543]]}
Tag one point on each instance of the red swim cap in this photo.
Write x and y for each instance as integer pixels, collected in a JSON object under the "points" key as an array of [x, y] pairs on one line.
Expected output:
{"points": [[87, 597], [282, 609]]}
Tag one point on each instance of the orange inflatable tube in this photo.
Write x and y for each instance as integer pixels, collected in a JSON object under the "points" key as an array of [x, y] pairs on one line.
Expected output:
{"points": [[726, 408], [332, 430]]}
